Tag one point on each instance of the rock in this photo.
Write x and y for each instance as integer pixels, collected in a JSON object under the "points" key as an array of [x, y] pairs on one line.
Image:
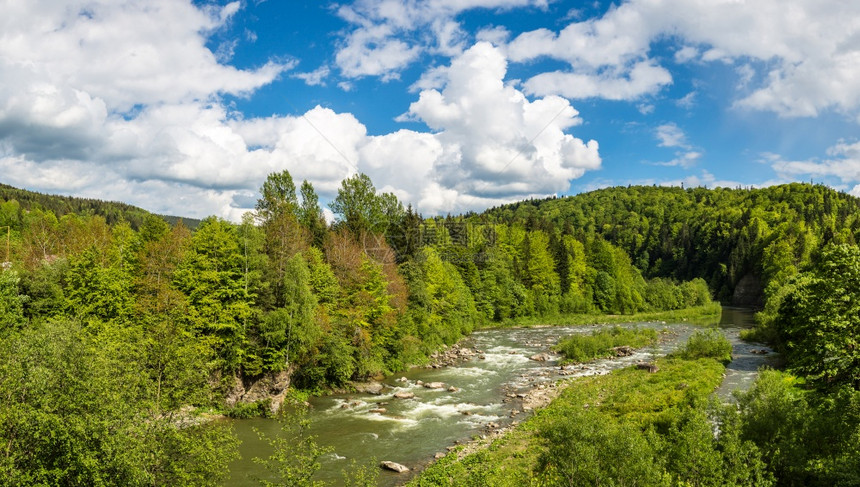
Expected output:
{"points": [[270, 388], [374, 388], [622, 351], [404, 395], [439, 455], [434, 385], [379, 410], [420, 382], [651, 368], [453, 389], [394, 467], [466, 413], [541, 357]]}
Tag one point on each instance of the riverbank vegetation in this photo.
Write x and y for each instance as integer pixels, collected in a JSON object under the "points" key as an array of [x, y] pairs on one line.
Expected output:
{"points": [[117, 326], [602, 343], [630, 427]]}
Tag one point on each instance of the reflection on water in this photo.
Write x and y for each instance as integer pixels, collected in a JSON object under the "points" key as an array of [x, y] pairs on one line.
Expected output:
{"points": [[476, 393]]}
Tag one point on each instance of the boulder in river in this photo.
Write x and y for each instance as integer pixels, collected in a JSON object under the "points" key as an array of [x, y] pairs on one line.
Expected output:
{"points": [[434, 385], [541, 357], [404, 395], [394, 467], [374, 388]]}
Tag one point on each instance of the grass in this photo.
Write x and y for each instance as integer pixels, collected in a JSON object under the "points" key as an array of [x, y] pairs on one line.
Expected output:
{"points": [[628, 397], [599, 344]]}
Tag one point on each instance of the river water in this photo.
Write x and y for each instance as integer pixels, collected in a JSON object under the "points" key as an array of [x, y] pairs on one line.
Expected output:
{"points": [[412, 431]]}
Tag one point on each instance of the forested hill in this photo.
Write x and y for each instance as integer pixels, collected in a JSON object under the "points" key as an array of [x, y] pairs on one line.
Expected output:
{"points": [[111, 211], [723, 235]]}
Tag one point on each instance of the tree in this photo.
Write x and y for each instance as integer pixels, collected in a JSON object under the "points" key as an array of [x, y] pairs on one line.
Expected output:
{"points": [[11, 301], [278, 196], [819, 319], [212, 276], [288, 333], [310, 214], [360, 209], [296, 453], [74, 411]]}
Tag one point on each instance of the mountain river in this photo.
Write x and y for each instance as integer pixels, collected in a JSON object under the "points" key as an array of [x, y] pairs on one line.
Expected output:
{"points": [[477, 392]]}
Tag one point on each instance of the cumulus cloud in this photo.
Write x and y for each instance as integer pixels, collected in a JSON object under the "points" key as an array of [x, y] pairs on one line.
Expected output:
{"points": [[388, 35], [670, 135], [122, 101], [842, 163], [808, 52], [497, 144]]}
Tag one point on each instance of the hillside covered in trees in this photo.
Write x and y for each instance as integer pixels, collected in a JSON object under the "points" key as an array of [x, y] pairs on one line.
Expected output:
{"points": [[197, 318]]}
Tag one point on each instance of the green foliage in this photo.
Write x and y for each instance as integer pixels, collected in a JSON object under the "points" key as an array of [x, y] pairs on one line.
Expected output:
{"points": [[819, 319], [278, 196], [599, 344], [591, 449], [710, 343], [296, 454], [212, 277], [630, 427], [11, 301], [360, 209], [76, 413], [807, 438]]}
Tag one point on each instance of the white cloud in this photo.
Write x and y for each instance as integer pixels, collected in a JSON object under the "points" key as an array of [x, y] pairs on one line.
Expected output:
{"points": [[154, 131], [388, 35], [495, 143], [842, 163], [809, 49], [316, 77], [643, 78], [670, 135], [687, 101], [683, 159]]}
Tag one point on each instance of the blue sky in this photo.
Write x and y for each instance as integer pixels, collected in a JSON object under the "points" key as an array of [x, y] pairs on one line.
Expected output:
{"points": [[184, 107]]}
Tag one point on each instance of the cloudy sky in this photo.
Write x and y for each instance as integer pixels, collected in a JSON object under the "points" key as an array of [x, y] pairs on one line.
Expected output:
{"points": [[184, 107]]}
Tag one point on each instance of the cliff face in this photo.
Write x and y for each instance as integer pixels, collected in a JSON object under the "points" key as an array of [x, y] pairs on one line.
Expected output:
{"points": [[748, 292], [272, 387]]}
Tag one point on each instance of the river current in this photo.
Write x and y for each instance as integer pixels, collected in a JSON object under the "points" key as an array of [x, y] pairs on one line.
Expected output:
{"points": [[478, 394]]}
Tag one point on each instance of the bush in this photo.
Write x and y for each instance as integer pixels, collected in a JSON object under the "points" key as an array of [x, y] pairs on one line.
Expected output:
{"points": [[581, 348], [709, 343]]}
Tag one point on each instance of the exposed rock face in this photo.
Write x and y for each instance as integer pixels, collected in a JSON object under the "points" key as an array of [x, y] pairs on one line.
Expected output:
{"points": [[271, 387], [394, 467], [748, 292]]}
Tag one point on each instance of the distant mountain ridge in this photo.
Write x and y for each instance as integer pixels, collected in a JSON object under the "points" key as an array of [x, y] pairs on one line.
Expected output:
{"points": [[111, 211]]}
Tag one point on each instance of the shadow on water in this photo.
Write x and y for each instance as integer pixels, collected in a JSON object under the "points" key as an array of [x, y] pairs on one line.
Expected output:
{"points": [[477, 394]]}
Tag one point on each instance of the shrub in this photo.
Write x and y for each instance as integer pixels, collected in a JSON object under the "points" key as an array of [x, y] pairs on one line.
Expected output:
{"points": [[710, 343]]}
